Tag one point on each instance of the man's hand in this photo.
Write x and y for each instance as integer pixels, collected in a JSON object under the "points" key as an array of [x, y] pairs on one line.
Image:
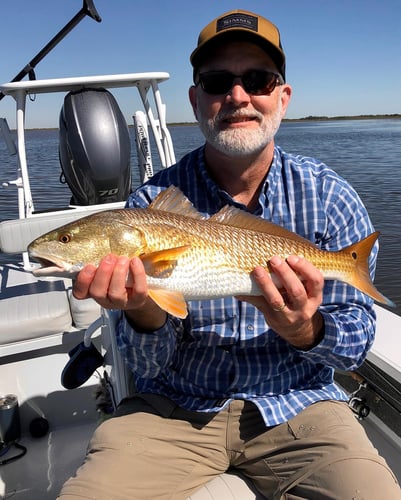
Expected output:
{"points": [[291, 310], [107, 284]]}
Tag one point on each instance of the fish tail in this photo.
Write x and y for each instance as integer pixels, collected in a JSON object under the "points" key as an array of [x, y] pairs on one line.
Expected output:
{"points": [[361, 279]]}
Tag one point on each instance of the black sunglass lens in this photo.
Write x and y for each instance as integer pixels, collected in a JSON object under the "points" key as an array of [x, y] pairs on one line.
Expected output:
{"points": [[258, 82], [217, 83]]}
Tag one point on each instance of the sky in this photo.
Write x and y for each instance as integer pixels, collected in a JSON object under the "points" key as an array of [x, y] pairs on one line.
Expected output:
{"points": [[343, 56]]}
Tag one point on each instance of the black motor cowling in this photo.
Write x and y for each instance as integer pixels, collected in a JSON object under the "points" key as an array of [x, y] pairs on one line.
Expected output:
{"points": [[94, 148]]}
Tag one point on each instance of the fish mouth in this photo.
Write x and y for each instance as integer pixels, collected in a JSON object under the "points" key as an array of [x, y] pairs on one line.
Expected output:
{"points": [[44, 263], [49, 267]]}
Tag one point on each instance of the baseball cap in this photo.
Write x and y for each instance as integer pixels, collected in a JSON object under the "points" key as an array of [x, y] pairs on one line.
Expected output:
{"points": [[241, 24]]}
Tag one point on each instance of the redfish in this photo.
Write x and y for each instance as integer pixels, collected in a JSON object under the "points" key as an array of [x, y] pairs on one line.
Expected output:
{"points": [[190, 257]]}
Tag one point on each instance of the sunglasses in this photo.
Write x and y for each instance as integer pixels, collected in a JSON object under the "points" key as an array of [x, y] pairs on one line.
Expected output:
{"points": [[254, 81]]}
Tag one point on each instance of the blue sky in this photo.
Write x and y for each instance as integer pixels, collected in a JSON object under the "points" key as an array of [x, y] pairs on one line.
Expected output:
{"points": [[343, 56]]}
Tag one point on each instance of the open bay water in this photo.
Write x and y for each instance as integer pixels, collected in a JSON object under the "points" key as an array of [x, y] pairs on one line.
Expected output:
{"points": [[365, 152]]}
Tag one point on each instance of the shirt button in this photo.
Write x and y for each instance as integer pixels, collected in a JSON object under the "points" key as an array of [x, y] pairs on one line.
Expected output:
{"points": [[250, 328]]}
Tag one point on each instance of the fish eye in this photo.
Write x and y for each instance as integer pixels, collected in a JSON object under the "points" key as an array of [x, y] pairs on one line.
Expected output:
{"points": [[64, 238]]}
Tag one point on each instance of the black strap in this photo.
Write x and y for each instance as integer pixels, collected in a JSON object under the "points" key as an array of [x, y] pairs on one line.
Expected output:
{"points": [[22, 449]]}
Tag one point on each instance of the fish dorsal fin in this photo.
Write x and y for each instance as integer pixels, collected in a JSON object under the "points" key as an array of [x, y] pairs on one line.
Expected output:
{"points": [[174, 201], [232, 216]]}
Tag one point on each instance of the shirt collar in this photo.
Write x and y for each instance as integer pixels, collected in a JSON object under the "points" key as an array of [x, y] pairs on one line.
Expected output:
{"points": [[222, 198]]}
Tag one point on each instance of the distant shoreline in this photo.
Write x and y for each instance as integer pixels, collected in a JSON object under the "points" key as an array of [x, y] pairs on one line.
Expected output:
{"points": [[356, 117], [316, 119], [304, 119]]}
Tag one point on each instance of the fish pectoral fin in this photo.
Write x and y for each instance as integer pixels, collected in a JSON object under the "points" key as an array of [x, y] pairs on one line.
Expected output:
{"points": [[161, 264], [171, 302]]}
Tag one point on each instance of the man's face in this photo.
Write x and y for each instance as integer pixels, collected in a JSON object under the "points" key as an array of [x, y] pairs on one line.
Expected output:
{"points": [[238, 123]]}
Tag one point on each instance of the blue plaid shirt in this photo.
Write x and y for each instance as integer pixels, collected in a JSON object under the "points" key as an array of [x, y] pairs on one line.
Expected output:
{"points": [[224, 349]]}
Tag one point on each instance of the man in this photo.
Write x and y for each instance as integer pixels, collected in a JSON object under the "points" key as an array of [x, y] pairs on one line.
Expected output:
{"points": [[242, 382]]}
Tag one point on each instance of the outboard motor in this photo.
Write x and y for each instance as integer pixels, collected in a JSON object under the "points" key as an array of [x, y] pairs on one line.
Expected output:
{"points": [[95, 147]]}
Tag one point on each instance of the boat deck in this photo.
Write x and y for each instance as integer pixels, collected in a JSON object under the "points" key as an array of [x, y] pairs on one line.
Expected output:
{"points": [[48, 462]]}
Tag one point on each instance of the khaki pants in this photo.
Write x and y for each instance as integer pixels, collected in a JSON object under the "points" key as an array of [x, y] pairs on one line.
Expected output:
{"points": [[156, 450]]}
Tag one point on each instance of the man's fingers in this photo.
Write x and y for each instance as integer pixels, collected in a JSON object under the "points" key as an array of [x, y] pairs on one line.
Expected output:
{"points": [[117, 284], [138, 277], [83, 281], [311, 277]]}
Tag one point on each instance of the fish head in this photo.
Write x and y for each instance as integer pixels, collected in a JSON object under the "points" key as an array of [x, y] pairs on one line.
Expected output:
{"points": [[66, 250]]}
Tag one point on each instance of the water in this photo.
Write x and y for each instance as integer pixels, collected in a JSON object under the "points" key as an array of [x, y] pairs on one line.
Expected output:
{"points": [[366, 152]]}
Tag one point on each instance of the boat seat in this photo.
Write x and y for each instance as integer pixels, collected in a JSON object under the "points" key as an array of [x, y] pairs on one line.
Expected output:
{"points": [[38, 312], [227, 486], [35, 313]]}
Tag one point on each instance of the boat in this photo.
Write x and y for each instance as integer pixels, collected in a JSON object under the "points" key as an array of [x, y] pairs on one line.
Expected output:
{"points": [[60, 370]]}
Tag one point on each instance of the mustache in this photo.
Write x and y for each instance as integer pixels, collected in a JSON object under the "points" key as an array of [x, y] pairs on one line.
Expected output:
{"points": [[238, 113]]}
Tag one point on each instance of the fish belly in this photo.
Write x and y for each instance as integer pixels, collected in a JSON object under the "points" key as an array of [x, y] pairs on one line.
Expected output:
{"points": [[206, 282]]}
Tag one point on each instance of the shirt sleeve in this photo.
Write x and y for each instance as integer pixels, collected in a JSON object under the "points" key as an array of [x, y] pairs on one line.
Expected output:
{"points": [[348, 335], [148, 353]]}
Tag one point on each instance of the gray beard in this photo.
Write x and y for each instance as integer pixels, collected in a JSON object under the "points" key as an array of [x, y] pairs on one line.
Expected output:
{"points": [[241, 142]]}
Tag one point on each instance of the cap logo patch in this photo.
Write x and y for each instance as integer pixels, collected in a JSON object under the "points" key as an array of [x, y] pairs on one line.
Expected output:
{"points": [[237, 21]]}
